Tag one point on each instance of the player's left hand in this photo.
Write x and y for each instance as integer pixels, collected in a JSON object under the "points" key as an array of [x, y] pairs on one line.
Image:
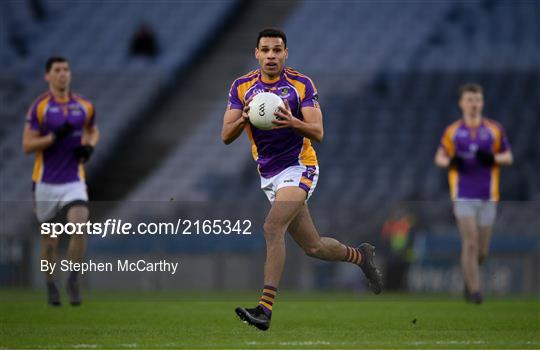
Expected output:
{"points": [[285, 117], [84, 152], [485, 157]]}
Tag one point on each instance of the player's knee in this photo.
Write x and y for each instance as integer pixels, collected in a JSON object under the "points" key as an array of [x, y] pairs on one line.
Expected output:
{"points": [[78, 214], [314, 251], [272, 230], [470, 246], [78, 238]]}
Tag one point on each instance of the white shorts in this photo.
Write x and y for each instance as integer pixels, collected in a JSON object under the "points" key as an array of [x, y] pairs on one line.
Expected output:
{"points": [[51, 198], [484, 211], [304, 177]]}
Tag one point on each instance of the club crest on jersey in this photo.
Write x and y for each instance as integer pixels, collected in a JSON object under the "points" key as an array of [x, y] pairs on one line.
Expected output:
{"points": [[283, 92]]}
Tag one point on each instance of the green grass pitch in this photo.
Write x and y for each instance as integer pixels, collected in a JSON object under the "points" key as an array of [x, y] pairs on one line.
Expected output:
{"points": [[149, 320]]}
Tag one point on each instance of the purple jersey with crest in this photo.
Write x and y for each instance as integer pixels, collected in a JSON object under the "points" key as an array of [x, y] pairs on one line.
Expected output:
{"points": [[474, 180], [57, 164], [275, 150]]}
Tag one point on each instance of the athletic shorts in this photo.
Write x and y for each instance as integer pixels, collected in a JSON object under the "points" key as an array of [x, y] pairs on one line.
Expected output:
{"points": [[51, 198], [304, 177], [484, 211]]}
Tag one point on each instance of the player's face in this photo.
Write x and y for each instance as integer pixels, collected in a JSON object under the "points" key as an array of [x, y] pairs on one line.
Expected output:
{"points": [[59, 76], [271, 54], [471, 103]]}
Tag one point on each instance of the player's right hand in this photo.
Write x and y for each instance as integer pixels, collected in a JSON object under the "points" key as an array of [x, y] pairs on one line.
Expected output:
{"points": [[245, 111], [63, 131], [456, 162]]}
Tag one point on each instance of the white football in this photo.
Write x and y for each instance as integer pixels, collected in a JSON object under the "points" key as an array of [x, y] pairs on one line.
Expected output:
{"points": [[262, 108]]}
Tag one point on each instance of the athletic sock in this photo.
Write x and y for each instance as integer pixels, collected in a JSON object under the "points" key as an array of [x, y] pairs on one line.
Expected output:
{"points": [[267, 299], [51, 286], [72, 278], [353, 255]]}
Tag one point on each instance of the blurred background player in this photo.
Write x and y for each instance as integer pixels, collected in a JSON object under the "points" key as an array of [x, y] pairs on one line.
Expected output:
{"points": [[288, 167], [473, 148], [398, 238], [61, 130]]}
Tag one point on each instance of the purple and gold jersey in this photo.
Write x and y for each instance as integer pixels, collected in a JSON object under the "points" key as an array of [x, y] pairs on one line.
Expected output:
{"points": [[474, 180], [57, 163], [276, 150]]}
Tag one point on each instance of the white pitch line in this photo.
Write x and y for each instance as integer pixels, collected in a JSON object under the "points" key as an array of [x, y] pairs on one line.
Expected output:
{"points": [[397, 344], [297, 343], [85, 346]]}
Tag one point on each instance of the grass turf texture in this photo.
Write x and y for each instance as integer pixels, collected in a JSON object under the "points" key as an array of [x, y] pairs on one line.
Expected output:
{"points": [[323, 320]]}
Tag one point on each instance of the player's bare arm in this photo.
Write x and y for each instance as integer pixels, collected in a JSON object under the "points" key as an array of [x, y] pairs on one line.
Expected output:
{"points": [[33, 141], [311, 127], [90, 136], [441, 158], [504, 158], [234, 122]]}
